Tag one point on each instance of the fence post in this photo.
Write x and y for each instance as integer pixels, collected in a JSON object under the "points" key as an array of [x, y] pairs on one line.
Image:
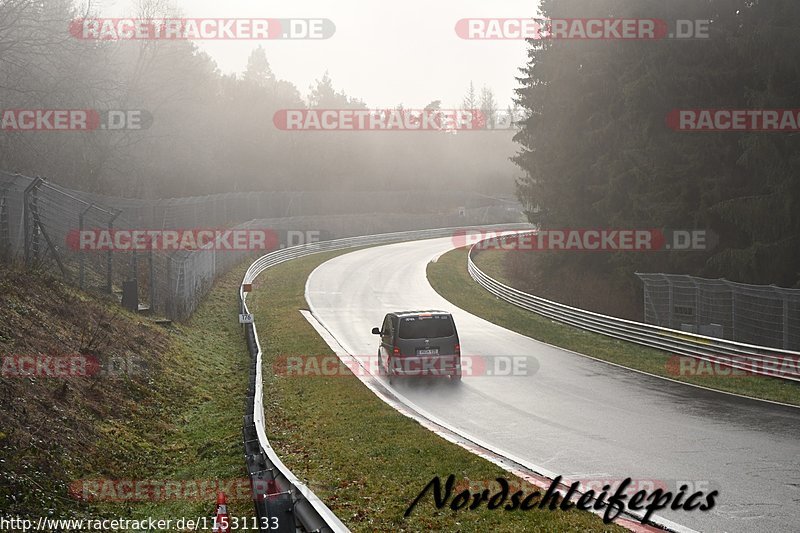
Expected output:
{"points": [[785, 322], [152, 275], [696, 306], [134, 274], [669, 316], [109, 255], [168, 297], [30, 189], [82, 253], [134, 267], [179, 300], [732, 290], [36, 229], [5, 237]]}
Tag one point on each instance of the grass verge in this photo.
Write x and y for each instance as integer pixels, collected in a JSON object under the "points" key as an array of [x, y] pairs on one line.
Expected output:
{"points": [[70, 448], [450, 278], [191, 435], [202, 389], [365, 460]]}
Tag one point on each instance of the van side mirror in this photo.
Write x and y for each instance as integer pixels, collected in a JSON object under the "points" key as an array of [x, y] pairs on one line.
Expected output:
{"points": [[376, 331]]}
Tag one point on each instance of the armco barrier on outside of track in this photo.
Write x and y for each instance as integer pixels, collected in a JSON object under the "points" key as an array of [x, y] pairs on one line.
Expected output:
{"points": [[746, 357], [289, 499]]}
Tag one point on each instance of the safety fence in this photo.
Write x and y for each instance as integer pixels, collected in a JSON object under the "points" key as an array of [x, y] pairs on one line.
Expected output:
{"points": [[40, 222], [287, 493], [755, 314], [226, 209], [740, 356]]}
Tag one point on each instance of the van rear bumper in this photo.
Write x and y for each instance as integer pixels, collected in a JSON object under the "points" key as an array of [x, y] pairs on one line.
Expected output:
{"points": [[436, 365]]}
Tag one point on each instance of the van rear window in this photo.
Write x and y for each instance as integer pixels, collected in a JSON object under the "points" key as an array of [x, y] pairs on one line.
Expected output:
{"points": [[426, 327]]}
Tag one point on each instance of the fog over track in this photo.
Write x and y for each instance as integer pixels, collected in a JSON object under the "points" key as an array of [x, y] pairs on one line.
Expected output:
{"points": [[574, 416]]}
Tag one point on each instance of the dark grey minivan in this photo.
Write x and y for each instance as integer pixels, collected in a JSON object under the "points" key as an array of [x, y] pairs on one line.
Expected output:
{"points": [[419, 343]]}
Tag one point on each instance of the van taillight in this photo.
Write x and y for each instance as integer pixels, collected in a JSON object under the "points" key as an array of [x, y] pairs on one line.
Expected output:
{"points": [[458, 349], [396, 351]]}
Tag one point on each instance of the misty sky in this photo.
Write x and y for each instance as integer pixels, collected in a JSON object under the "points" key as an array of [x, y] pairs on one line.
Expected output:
{"points": [[386, 53]]}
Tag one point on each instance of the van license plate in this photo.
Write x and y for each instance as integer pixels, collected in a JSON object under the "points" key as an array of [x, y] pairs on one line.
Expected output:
{"points": [[429, 351]]}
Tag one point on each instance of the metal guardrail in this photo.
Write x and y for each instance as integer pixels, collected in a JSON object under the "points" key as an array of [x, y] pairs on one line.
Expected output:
{"points": [[736, 355], [263, 464]]}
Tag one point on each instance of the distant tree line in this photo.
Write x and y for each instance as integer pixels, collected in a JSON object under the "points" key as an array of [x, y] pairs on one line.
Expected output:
{"points": [[211, 132], [596, 150]]}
